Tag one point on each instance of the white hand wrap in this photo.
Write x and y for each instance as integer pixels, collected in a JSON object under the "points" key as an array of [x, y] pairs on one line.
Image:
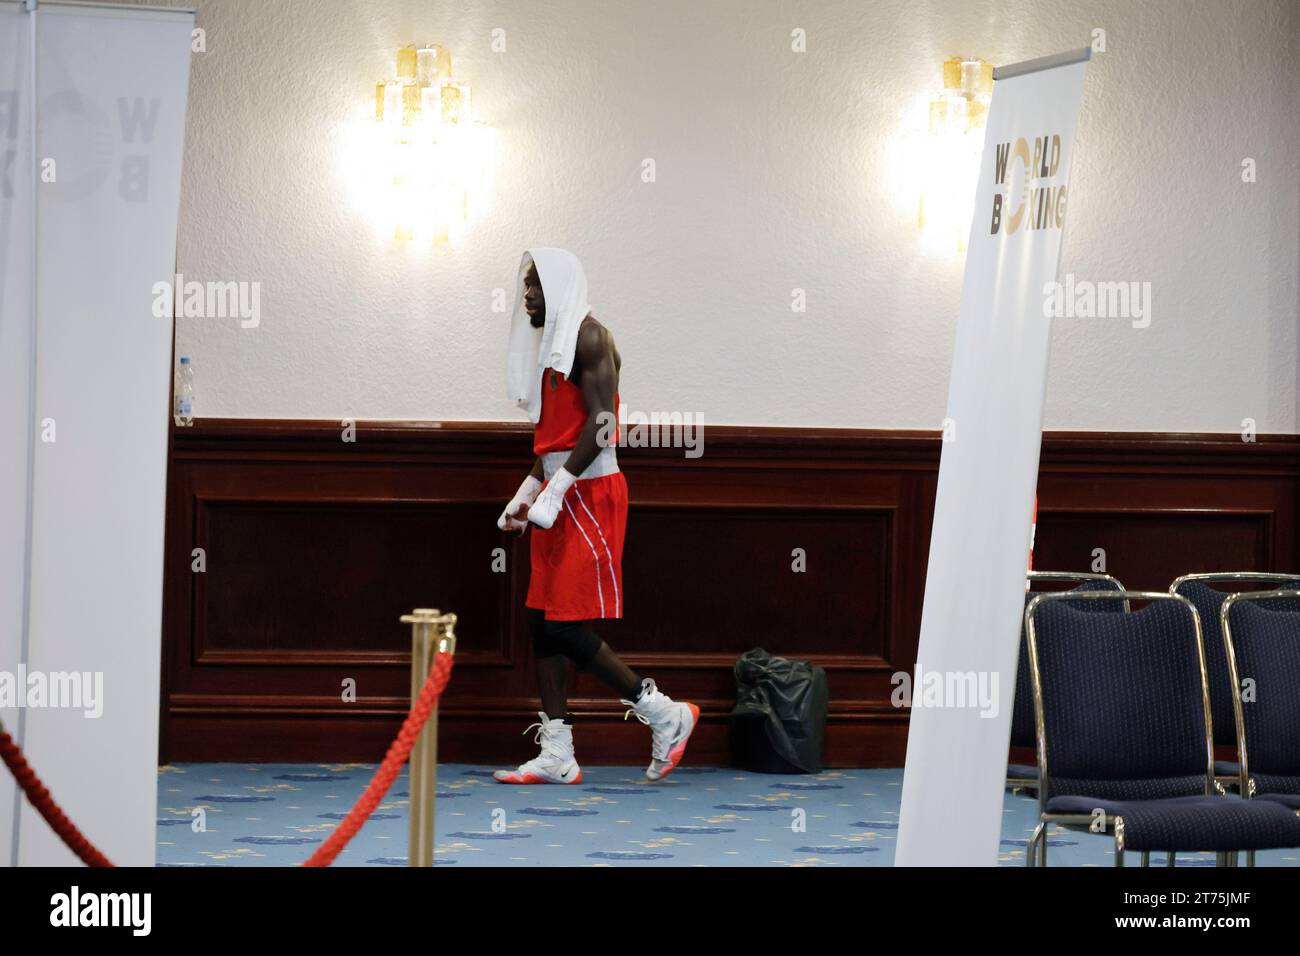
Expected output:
{"points": [[547, 506], [526, 495]]}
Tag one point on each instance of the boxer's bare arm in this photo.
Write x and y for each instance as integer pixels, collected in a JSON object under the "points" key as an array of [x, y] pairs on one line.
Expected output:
{"points": [[597, 362]]}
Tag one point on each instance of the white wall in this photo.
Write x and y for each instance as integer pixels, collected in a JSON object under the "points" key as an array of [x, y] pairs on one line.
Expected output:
{"points": [[773, 173]]}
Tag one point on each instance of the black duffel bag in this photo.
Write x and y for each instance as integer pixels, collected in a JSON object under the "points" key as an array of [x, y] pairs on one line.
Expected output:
{"points": [[779, 722]]}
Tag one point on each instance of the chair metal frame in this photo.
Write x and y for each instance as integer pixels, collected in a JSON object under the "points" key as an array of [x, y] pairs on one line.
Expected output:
{"points": [[1036, 851], [1072, 577], [1261, 577], [1264, 577], [1245, 786]]}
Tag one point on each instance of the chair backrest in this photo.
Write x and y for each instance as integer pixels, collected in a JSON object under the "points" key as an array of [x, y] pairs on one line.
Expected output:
{"points": [[1199, 589], [1023, 733], [1121, 700], [1262, 635]]}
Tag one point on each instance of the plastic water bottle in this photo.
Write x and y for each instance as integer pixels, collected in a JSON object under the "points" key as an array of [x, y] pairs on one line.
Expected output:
{"points": [[185, 393]]}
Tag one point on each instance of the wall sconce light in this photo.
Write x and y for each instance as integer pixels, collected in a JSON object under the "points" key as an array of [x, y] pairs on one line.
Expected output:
{"points": [[420, 162], [943, 154]]}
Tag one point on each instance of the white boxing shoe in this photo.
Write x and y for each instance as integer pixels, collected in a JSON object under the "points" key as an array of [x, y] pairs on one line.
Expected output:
{"points": [[671, 723], [555, 764]]}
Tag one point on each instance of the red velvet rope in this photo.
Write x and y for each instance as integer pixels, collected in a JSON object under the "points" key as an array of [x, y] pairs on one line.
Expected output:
{"points": [[351, 825], [44, 803]]}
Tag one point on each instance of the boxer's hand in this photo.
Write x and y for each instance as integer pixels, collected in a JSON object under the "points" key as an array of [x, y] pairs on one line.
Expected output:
{"points": [[546, 508], [513, 517], [517, 522]]}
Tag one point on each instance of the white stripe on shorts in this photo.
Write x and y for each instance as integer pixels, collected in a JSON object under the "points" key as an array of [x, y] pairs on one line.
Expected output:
{"points": [[600, 593], [617, 609]]}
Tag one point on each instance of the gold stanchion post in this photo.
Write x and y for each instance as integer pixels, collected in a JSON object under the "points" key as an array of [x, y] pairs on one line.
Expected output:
{"points": [[431, 632]]}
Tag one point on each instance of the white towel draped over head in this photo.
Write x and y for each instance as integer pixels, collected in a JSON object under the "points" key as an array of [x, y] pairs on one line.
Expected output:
{"points": [[531, 351]]}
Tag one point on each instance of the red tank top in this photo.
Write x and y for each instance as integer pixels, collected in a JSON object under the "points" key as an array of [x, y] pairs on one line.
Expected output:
{"points": [[564, 414]]}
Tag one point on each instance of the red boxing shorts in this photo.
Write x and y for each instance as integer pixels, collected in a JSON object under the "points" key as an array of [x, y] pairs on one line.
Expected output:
{"points": [[577, 563]]}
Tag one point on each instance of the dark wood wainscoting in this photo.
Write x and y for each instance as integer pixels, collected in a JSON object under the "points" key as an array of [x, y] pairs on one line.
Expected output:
{"points": [[314, 546]]}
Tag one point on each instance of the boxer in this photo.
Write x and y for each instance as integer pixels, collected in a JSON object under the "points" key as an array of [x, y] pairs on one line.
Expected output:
{"points": [[563, 369]]}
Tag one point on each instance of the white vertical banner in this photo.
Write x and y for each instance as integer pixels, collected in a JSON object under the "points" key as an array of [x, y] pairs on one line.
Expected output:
{"points": [[957, 743], [110, 95], [16, 322]]}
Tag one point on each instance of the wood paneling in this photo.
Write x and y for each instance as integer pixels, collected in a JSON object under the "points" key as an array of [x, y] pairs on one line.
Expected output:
{"points": [[315, 545]]}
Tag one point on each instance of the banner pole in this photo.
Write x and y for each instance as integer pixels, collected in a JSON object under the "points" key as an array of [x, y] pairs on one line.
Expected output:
{"points": [[1042, 63]]}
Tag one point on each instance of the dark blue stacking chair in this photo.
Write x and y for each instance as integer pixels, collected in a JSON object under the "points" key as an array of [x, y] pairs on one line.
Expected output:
{"points": [[1025, 776], [1122, 711], [1261, 632], [1200, 590]]}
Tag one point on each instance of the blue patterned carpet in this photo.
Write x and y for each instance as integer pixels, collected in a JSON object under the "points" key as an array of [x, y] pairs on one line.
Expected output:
{"points": [[276, 815]]}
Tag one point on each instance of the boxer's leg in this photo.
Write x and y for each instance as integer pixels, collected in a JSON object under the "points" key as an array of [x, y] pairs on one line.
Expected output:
{"points": [[585, 648], [555, 644], [671, 722], [609, 668], [552, 668], [556, 762], [580, 644], [574, 639]]}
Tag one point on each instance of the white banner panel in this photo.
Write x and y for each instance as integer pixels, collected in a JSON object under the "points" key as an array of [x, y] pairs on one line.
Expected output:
{"points": [[15, 363], [111, 86], [957, 743]]}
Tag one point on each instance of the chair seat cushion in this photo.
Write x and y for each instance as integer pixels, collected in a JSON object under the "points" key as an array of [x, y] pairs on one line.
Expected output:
{"points": [[1274, 782], [1226, 768], [1022, 771], [1194, 823], [1083, 806], [1291, 800]]}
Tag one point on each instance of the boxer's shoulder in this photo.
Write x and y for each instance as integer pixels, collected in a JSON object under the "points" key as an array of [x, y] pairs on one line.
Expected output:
{"points": [[595, 343], [593, 335]]}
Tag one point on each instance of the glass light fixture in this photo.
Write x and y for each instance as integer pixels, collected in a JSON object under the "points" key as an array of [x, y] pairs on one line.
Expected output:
{"points": [[455, 102], [407, 60], [418, 163], [939, 163]]}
